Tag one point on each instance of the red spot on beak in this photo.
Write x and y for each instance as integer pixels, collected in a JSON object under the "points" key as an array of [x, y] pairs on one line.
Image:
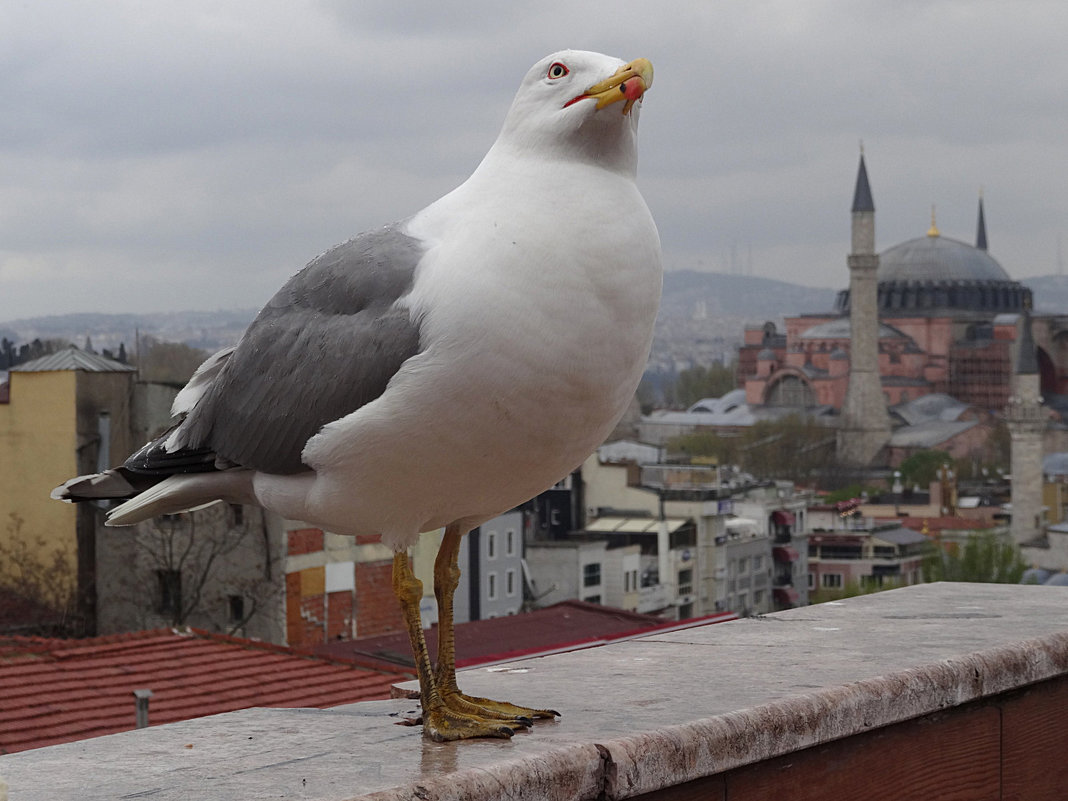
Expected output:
{"points": [[632, 89]]}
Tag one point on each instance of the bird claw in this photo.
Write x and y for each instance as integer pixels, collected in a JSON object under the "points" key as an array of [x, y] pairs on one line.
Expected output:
{"points": [[445, 725], [460, 717]]}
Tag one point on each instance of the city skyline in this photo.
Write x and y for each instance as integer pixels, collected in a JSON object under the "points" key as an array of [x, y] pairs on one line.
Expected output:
{"points": [[193, 156]]}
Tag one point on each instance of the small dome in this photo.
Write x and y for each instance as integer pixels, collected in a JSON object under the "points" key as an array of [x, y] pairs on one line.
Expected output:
{"points": [[938, 258], [1034, 575]]}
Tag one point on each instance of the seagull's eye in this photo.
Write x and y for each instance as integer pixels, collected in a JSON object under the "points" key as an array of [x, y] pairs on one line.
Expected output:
{"points": [[557, 70]]}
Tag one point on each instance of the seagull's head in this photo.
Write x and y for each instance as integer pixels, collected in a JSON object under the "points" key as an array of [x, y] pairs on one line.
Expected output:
{"points": [[577, 103]]}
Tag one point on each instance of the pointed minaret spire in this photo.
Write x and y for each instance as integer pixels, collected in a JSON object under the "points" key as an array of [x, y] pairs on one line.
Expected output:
{"points": [[862, 194], [864, 423], [980, 228]]}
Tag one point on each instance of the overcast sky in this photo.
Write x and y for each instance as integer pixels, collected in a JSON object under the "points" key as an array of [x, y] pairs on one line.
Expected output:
{"points": [[194, 154]]}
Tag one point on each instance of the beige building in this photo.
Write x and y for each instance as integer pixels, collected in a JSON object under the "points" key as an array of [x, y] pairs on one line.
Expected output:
{"points": [[61, 415], [225, 568]]}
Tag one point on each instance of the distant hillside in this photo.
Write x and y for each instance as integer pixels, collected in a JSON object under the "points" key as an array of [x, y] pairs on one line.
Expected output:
{"points": [[199, 329], [1051, 293], [770, 299], [687, 293], [702, 317]]}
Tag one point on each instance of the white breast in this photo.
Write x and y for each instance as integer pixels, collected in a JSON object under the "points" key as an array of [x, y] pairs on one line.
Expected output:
{"points": [[536, 322]]}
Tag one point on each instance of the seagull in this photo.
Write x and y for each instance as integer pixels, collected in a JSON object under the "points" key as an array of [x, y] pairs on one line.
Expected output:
{"points": [[441, 370]]}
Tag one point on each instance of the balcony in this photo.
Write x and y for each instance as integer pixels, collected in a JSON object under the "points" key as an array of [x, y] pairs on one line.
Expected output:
{"points": [[950, 691], [684, 481], [655, 597]]}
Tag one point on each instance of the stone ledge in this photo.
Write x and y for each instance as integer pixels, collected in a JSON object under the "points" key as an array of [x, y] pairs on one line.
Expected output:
{"points": [[639, 716]]}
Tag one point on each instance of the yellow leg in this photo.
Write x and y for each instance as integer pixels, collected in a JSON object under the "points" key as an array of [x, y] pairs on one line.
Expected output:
{"points": [[446, 579], [439, 721]]}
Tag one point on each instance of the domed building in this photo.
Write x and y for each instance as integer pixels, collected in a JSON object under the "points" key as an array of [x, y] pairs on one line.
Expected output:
{"points": [[933, 274], [950, 320]]}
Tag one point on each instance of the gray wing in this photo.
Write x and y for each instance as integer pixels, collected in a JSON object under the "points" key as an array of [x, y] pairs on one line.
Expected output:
{"points": [[326, 344]]}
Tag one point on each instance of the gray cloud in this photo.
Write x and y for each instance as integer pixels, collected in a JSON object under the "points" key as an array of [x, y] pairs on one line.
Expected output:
{"points": [[192, 155]]}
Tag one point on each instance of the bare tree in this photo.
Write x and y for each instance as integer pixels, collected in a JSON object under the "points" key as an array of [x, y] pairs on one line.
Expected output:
{"points": [[212, 568], [44, 578], [167, 362]]}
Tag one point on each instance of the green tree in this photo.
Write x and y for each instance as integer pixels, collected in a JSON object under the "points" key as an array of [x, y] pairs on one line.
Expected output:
{"points": [[702, 382], [792, 448], [985, 557], [921, 468], [852, 589]]}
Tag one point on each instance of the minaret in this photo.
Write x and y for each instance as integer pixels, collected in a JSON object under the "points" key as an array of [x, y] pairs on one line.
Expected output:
{"points": [[865, 424], [1027, 423], [980, 227]]}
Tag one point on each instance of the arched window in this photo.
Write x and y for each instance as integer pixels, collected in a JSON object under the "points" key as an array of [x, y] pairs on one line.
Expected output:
{"points": [[791, 390]]}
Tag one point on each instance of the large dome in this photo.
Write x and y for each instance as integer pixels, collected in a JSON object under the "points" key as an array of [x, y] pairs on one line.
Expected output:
{"points": [[938, 258], [933, 274]]}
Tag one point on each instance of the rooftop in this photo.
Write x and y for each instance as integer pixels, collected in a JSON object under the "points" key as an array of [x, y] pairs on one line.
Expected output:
{"points": [[73, 359], [566, 626], [705, 704], [56, 691], [929, 434], [939, 258]]}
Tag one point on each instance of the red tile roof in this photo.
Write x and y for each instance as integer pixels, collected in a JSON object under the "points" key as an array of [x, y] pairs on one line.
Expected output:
{"points": [[55, 691], [566, 626], [936, 525]]}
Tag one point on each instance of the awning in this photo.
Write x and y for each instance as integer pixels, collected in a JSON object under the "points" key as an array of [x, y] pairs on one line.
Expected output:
{"points": [[634, 525], [782, 517], [786, 595], [738, 523], [784, 553]]}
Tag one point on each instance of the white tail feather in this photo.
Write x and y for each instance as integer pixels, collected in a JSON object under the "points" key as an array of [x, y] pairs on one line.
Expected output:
{"points": [[184, 493]]}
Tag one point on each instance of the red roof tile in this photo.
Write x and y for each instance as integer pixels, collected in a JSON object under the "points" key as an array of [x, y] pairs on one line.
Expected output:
{"points": [[943, 523], [54, 691], [566, 626]]}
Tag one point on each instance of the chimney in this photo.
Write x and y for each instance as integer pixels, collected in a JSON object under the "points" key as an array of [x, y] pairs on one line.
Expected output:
{"points": [[142, 697]]}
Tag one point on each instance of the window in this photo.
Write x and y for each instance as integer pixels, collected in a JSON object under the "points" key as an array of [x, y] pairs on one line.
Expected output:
{"points": [[593, 599], [170, 591], [491, 544], [812, 581], [509, 583], [509, 542], [758, 563], [831, 580], [591, 574], [758, 597], [685, 582], [790, 391], [626, 581], [491, 586], [634, 579], [237, 608], [743, 565]]}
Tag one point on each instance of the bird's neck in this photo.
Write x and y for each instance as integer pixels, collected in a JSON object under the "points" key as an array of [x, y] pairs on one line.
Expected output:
{"points": [[608, 147]]}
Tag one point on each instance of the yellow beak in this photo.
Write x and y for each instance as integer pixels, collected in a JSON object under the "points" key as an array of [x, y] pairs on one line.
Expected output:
{"points": [[628, 83]]}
